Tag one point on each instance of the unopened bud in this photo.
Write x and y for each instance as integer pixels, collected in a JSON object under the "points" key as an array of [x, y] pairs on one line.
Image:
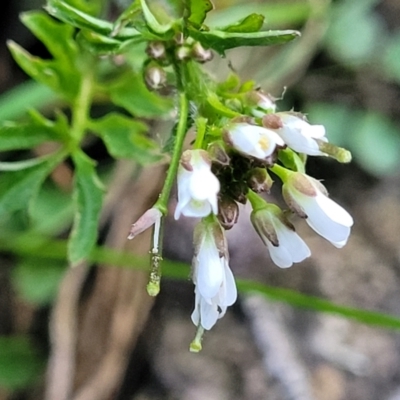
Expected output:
{"points": [[201, 54], [217, 153], [156, 50], [260, 103], [259, 180], [338, 153], [155, 77], [149, 218], [228, 212], [183, 53]]}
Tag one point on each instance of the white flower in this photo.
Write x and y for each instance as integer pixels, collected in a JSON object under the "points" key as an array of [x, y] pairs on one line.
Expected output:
{"points": [[253, 140], [260, 103], [278, 234], [308, 198], [215, 285], [197, 186], [298, 134]]}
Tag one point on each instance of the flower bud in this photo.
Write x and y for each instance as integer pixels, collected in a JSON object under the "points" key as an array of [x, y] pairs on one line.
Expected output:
{"points": [[217, 153], [228, 212], [260, 103], [183, 53], [259, 180], [148, 219], [200, 54], [156, 50], [155, 77]]}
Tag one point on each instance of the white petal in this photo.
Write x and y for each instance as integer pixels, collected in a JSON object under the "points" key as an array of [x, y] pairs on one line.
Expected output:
{"points": [[196, 312], [294, 244], [208, 314], [334, 211], [196, 209], [323, 224], [280, 256], [229, 287], [204, 185], [210, 271]]}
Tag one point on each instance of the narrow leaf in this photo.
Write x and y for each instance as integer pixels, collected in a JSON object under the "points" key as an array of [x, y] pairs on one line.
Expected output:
{"points": [[79, 19], [198, 11], [125, 138], [153, 22], [221, 41], [252, 23], [18, 187], [24, 136], [88, 198]]}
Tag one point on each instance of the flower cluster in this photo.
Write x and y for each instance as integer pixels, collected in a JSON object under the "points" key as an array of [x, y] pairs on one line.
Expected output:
{"points": [[231, 163]]}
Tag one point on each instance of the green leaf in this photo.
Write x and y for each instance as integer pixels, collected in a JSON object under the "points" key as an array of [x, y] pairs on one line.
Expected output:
{"points": [[57, 37], [125, 138], [153, 22], [15, 136], [198, 10], [221, 41], [15, 102], [20, 363], [19, 187], [216, 104], [252, 23], [79, 19], [291, 160], [88, 198], [375, 144], [131, 93], [37, 279]]}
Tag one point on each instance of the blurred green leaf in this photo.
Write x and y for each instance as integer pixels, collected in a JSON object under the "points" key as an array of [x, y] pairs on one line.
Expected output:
{"points": [[375, 143], [277, 14], [18, 188], [252, 23], [161, 27], [57, 249], [37, 279], [198, 10], [79, 19], [355, 33], [14, 103], [20, 363], [57, 37], [25, 135], [391, 59], [131, 93], [125, 138], [88, 198], [221, 41]]}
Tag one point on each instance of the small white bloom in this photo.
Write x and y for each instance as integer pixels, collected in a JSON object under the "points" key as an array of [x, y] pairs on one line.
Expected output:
{"points": [[197, 186], [278, 234], [261, 104], [215, 285], [308, 198], [253, 140], [299, 135]]}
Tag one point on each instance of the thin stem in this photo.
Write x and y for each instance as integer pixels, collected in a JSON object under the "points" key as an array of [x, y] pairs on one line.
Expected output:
{"points": [[282, 172], [162, 201], [195, 346], [256, 201], [81, 107]]}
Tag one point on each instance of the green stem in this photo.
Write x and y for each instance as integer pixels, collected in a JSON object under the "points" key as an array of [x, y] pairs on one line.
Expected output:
{"points": [[256, 201], [282, 172], [162, 201], [81, 107]]}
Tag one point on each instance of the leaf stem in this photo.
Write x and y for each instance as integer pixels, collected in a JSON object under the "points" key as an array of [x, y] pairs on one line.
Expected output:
{"points": [[81, 107]]}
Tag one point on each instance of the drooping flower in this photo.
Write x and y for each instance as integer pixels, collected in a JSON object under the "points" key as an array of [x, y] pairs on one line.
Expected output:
{"points": [[215, 285], [297, 133], [277, 233], [197, 185], [253, 140], [309, 198]]}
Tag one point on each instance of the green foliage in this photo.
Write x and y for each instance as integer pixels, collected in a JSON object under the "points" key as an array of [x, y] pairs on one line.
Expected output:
{"points": [[88, 197], [124, 138], [20, 363], [371, 137]]}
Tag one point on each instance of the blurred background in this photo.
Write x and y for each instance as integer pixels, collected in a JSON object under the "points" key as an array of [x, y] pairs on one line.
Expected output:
{"points": [[93, 333]]}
